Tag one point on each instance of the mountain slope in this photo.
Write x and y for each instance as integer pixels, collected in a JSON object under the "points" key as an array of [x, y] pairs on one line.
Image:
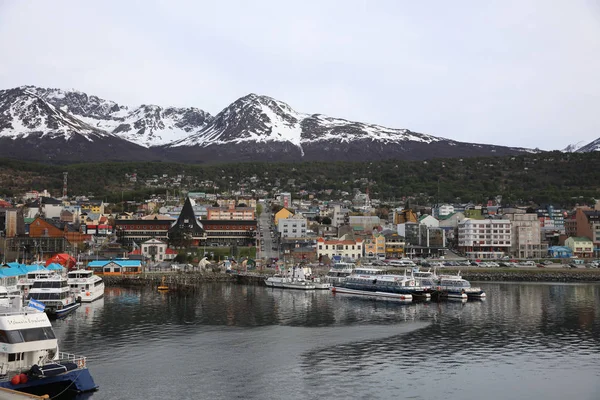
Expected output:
{"points": [[261, 128], [146, 125], [592, 146], [32, 128]]}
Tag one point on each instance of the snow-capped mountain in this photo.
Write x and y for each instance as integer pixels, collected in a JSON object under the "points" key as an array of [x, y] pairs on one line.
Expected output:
{"points": [[574, 147], [253, 128], [32, 128], [588, 148], [259, 127], [146, 125]]}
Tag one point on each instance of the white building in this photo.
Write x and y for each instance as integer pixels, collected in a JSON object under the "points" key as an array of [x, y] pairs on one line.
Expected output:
{"points": [[339, 216], [292, 227], [429, 221], [340, 247], [484, 239], [157, 250], [445, 209]]}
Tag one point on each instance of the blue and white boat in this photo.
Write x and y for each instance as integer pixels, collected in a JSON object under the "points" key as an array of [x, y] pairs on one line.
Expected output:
{"points": [[30, 360], [54, 292], [374, 284], [455, 287]]}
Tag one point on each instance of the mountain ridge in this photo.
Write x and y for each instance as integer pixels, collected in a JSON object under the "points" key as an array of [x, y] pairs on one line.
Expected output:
{"points": [[252, 128]]}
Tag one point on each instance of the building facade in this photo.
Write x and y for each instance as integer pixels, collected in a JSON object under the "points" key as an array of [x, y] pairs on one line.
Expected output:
{"points": [[484, 239], [231, 212], [581, 247], [130, 231], [346, 248], [526, 236], [292, 227], [230, 232]]}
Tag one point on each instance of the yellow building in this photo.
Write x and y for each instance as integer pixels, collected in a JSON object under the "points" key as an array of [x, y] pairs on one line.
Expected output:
{"points": [[283, 213], [375, 246]]}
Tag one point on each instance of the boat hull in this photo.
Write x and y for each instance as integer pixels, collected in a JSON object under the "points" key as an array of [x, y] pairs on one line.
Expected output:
{"points": [[297, 286], [77, 381], [396, 297], [322, 285], [84, 298], [63, 312]]}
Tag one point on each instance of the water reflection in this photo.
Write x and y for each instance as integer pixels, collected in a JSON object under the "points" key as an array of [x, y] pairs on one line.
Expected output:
{"points": [[526, 336]]}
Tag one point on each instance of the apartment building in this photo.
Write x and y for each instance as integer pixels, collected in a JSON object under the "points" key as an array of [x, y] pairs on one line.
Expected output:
{"points": [[485, 239]]}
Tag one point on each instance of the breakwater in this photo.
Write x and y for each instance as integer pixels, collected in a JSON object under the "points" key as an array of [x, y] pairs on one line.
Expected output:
{"points": [[532, 275], [181, 281]]}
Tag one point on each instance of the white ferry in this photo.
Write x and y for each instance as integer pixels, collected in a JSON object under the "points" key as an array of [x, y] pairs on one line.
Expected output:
{"points": [[339, 272], [30, 360], [53, 291], [374, 284], [85, 286], [454, 287]]}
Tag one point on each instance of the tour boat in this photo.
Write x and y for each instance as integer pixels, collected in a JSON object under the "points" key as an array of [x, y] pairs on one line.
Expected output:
{"points": [[339, 272], [53, 291], [86, 286], [30, 360], [374, 284], [295, 279], [454, 287], [25, 284]]}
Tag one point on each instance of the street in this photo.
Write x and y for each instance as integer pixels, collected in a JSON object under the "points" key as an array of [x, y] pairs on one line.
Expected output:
{"points": [[265, 242]]}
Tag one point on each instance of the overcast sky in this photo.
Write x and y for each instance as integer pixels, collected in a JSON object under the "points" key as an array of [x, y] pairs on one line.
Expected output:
{"points": [[520, 73]]}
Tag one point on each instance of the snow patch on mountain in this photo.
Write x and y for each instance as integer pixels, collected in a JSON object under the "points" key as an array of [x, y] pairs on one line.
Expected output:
{"points": [[572, 148]]}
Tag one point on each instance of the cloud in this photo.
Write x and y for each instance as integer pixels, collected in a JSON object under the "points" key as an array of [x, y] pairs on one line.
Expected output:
{"points": [[502, 72]]}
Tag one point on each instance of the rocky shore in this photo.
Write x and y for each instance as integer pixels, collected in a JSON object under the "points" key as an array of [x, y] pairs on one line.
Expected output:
{"points": [[532, 275]]}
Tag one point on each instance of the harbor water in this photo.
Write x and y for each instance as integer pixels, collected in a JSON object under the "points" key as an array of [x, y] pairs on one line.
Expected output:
{"points": [[227, 341]]}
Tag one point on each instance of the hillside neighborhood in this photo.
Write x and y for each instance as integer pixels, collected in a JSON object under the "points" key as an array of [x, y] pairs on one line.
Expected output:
{"points": [[288, 227]]}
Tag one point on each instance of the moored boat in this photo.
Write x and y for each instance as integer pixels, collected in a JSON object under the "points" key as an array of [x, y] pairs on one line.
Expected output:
{"points": [[30, 360], [339, 272], [376, 284], [53, 291], [85, 286], [455, 287]]}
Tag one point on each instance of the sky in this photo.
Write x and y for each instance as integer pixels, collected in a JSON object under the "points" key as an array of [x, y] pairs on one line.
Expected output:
{"points": [[507, 72]]}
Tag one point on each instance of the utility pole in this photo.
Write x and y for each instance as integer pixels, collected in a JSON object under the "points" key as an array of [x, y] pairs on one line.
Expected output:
{"points": [[65, 174]]}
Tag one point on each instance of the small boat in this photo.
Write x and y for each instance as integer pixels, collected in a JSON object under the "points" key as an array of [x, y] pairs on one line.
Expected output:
{"points": [[319, 284], [53, 291], [85, 286], [30, 360], [163, 286], [455, 288], [276, 281]]}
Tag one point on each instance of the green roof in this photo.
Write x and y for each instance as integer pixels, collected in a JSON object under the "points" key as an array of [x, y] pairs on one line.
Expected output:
{"points": [[445, 217], [580, 239], [28, 220]]}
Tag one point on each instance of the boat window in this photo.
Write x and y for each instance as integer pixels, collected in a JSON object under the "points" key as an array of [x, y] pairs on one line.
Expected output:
{"points": [[16, 356], [11, 337], [30, 335]]}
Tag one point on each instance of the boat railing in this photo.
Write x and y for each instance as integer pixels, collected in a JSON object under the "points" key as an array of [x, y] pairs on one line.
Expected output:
{"points": [[81, 361]]}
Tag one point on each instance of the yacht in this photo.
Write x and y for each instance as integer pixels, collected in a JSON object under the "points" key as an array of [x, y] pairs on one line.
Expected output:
{"points": [[85, 286], [375, 284], [30, 360], [53, 291], [339, 272]]}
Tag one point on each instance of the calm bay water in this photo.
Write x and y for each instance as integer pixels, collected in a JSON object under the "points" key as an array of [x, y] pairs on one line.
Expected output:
{"points": [[525, 341]]}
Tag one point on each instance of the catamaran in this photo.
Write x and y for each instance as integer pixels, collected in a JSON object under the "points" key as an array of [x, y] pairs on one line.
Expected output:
{"points": [[85, 286]]}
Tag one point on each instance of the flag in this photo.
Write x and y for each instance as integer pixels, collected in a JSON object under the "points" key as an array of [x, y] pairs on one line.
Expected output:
{"points": [[36, 305]]}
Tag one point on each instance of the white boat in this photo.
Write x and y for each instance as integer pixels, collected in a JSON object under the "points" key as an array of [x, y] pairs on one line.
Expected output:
{"points": [[85, 286], [25, 284], [373, 283], [339, 272], [276, 281], [298, 279], [30, 360], [454, 287], [320, 284], [53, 291]]}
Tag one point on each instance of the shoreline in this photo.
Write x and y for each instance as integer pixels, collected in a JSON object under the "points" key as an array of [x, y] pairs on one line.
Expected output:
{"points": [[185, 281]]}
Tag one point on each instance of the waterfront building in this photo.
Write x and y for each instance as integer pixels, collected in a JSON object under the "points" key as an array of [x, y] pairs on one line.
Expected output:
{"points": [[342, 247], [187, 228], [231, 212], [130, 231], [484, 239], [526, 235], [581, 247]]}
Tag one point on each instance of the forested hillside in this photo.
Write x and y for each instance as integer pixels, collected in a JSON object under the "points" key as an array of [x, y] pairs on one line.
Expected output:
{"points": [[561, 178]]}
